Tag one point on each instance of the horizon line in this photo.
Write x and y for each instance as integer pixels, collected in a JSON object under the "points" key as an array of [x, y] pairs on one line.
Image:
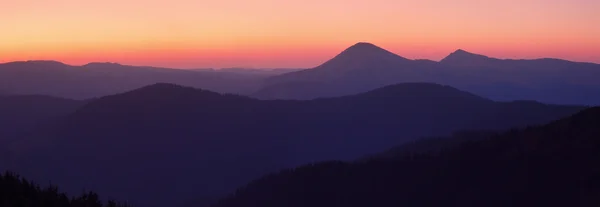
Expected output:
{"points": [[271, 68]]}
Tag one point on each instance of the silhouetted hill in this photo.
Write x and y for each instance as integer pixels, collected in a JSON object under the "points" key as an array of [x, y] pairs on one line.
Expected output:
{"points": [[363, 55], [359, 68], [19, 113], [461, 57], [188, 142], [547, 80], [100, 79], [551, 165], [364, 67]]}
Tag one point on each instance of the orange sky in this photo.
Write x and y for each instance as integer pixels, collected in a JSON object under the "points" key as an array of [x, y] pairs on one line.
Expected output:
{"points": [[291, 33]]}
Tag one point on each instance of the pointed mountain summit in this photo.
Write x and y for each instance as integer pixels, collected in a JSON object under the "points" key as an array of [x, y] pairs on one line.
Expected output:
{"points": [[359, 68], [363, 55], [462, 57], [364, 66], [364, 48]]}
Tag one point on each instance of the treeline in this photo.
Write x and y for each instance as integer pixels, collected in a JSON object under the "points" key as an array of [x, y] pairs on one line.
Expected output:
{"points": [[16, 191]]}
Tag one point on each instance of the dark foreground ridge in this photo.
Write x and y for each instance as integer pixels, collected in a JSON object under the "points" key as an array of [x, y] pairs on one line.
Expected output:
{"points": [[551, 165]]}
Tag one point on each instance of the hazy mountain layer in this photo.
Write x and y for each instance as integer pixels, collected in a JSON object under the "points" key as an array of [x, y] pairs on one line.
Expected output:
{"points": [[101, 79], [179, 143]]}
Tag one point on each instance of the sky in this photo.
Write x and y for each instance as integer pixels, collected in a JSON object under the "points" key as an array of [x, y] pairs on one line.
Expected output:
{"points": [[291, 33]]}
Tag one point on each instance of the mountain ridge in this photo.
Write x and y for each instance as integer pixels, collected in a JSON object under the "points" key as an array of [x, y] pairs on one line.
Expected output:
{"points": [[158, 125], [550, 165], [545, 80], [460, 56], [101, 79]]}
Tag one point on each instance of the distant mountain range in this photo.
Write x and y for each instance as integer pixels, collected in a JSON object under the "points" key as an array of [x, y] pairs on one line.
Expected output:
{"points": [[360, 68], [364, 66], [182, 143], [100, 79], [551, 165]]}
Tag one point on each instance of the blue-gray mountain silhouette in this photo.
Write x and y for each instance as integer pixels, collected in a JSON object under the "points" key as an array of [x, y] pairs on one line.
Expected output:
{"points": [[184, 143], [364, 67], [100, 79], [360, 68], [462, 57]]}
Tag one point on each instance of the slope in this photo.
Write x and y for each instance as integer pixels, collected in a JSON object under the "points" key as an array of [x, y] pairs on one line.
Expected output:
{"points": [[208, 143], [20, 113], [363, 67], [550, 165], [101, 79]]}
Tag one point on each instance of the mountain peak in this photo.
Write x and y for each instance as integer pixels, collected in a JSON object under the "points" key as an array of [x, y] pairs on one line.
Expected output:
{"points": [[93, 64], [363, 55], [365, 48], [463, 57], [461, 51], [365, 45]]}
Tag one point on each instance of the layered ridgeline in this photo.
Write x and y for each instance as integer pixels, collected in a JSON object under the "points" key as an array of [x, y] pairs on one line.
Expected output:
{"points": [[364, 66], [360, 68], [100, 79], [18, 113], [165, 143], [551, 165]]}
